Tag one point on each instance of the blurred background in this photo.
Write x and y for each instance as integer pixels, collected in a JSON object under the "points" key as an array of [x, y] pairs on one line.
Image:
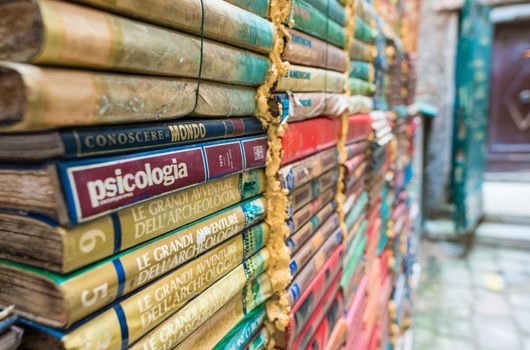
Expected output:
{"points": [[473, 67]]}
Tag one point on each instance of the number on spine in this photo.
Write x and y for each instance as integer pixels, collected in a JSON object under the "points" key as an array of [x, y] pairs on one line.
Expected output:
{"points": [[88, 241], [91, 297]]}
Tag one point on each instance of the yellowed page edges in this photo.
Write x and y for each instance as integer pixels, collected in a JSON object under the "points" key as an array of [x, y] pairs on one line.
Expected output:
{"points": [[277, 306]]}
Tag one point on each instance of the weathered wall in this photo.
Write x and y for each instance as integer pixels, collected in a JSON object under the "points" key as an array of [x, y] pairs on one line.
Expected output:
{"points": [[436, 85]]}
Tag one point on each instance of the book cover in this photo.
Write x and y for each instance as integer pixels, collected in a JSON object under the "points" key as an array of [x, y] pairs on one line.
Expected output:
{"points": [[307, 79], [304, 138]]}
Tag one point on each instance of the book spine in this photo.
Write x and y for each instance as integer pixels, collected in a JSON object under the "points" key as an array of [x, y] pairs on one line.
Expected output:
{"points": [[331, 9], [354, 149], [315, 242], [364, 32], [359, 128], [307, 79], [222, 23], [361, 51], [314, 277], [258, 7], [308, 51], [309, 20], [362, 70], [245, 331], [260, 340], [87, 142], [361, 87], [97, 187], [321, 186], [297, 174], [179, 326], [307, 137], [122, 44], [103, 98], [144, 310], [100, 238], [300, 236], [305, 319], [301, 106], [304, 214], [119, 275]]}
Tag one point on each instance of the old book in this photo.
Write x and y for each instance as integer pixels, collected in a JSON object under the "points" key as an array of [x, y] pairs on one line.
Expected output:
{"points": [[71, 192], [324, 186], [119, 44], [330, 8], [364, 32], [228, 329], [361, 87], [62, 249], [61, 300], [177, 327], [119, 336], [259, 7], [311, 21], [308, 79], [43, 98], [304, 138], [222, 22], [314, 242], [321, 335], [362, 51], [304, 214], [362, 70], [306, 50], [296, 174], [359, 128], [306, 105], [298, 238], [353, 149], [98, 141]]}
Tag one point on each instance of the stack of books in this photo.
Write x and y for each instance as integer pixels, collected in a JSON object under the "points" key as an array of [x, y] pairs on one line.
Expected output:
{"points": [[123, 226]]}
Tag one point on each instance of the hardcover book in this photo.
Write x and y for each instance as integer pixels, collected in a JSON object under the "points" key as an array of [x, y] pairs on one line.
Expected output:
{"points": [[69, 298], [71, 192], [108, 140]]}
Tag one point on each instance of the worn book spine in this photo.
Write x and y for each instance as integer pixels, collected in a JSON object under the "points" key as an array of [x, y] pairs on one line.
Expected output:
{"points": [[304, 214], [87, 142], [298, 238], [364, 32], [321, 336], [311, 21], [259, 7], [352, 164], [361, 87], [183, 323], [307, 79], [92, 241], [362, 70], [331, 9], [229, 329], [357, 210], [314, 242], [305, 320], [315, 276], [116, 331], [362, 51], [222, 22], [352, 258], [44, 98], [144, 310], [356, 148], [309, 51], [321, 186], [121, 44], [359, 128], [88, 290], [297, 174], [301, 106], [260, 340], [96, 187], [302, 139]]}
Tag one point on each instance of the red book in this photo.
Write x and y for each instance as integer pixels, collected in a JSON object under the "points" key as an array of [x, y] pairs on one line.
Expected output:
{"points": [[359, 128], [304, 138]]}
